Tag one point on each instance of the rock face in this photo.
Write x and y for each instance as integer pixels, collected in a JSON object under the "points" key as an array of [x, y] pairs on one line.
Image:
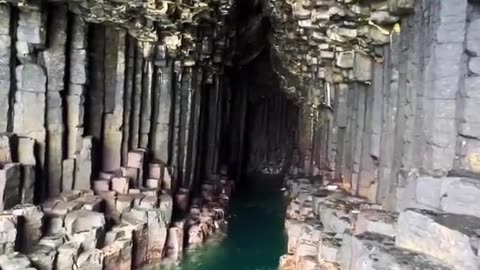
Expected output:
{"points": [[372, 238]]}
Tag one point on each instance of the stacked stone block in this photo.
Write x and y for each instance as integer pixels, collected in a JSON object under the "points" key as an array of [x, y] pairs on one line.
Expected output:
{"points": [[328, 228]]}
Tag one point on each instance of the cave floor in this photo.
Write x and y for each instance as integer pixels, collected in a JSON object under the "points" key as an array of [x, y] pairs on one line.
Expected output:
{"points": [[255, 238]]}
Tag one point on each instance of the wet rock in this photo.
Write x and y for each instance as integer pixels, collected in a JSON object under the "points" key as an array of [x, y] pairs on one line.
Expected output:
{"points": [[447, 237]]}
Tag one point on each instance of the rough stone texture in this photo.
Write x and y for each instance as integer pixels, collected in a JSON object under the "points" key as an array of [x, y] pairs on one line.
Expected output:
{"points": [[8, 235], [31, 229], [83, 165], [14, 261], [372, 251], [446, 237], [10, 185], [376, 221]]}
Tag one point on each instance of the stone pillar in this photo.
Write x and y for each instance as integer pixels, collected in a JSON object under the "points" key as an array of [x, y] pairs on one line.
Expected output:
{"points": [[55, 58], [114, 92], [5, 58]]}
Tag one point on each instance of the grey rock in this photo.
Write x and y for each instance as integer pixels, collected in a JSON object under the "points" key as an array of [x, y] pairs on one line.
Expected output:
{"points": [[345, 59], [83, 164], [43, 257], [67, 256], [78, 66], [473, 37], [376, 221], [474, 65], [31, 77], [10, 181], [362, 67], [374, 251], [31, 230], [91, 260], [29, 177], [14, 261], [401, 7], [383, 17], [32, 27], [447, 237]]}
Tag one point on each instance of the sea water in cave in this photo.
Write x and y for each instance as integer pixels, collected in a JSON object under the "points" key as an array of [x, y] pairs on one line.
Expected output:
{"points": [[255, 238]]}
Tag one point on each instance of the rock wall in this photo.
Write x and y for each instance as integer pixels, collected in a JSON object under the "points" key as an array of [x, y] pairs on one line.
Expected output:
{"points": [[90, 94], [387, 88]]}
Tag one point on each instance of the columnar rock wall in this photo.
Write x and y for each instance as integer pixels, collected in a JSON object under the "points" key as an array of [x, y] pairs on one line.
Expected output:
{"points": [[389, 93], [88, 95]]}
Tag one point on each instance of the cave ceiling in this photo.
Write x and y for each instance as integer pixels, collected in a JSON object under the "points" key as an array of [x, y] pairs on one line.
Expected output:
{"points": [[310, 41]]}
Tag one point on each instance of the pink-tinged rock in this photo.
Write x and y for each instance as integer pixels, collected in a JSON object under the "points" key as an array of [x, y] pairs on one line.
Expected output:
{"points": [[101, 185], [63, 208], [105, 175], [195, 236], [135, 159], [152, 183], [31, 229], [120, 185], [109, 199], [91, 260], [167, 179], [155, 171], [124, 202], [175, 242]]}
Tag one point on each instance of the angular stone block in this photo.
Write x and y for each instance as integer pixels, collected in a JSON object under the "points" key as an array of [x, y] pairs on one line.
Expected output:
{"points": [[14, 261], [10, 185], [31, 229], [32, 27], [31, 77], [120, 185], [83, 221], [26, 151], [373, 251], [67, 256], [43, 257], [8, 233], [91, 260], [376, 221], [446, 237], [135, 159], [68, 174], [84, 165]]}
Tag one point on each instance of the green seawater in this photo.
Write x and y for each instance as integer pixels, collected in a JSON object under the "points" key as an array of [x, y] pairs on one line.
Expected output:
{"points": [[255, 238]]}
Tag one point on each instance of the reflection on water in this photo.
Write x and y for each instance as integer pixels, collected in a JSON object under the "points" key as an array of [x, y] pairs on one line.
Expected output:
{"points": [[255, 238]]}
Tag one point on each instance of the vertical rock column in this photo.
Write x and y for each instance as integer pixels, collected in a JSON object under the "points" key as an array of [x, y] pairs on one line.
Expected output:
{"points": [[5, 59], [114, 92], [75, 100], [54, 58], [30, 96]]}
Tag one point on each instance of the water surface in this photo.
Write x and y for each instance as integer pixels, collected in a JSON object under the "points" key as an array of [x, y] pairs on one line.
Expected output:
{"points": [[255, 238]]}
